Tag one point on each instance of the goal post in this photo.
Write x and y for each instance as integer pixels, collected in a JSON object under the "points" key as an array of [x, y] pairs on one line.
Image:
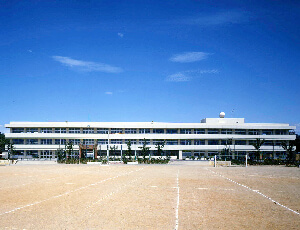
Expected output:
{"points": [[228, 160]]}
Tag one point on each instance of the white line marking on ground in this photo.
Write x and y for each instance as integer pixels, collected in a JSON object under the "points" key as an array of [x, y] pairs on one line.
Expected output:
{"points": [[256, 191], [153, 186], [177, 207], [202, 188], [112, 193], [66, 193]]}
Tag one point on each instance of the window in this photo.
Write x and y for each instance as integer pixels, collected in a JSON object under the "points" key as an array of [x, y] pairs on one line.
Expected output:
{"points": [[172, 142], [17, 130], [240, 142], [199, 142], [46, 154], [33, 153], [155, 142], [129, 131], [267, 132], [199, 154], [211, 154], [144, 131], [32, 130], [226, 142], [88, 130], [60, 130], [185, 142], [74, 130], [213, 131], [133, 142], [102, 131], [46, 130], [185, 131], [117, 141], [281, 132], [102, 141], [141, 142], [60, 141], [199, 131], [46, 141], [253, 132], [75, 141], [172, 131], [88, 141], [268, 143], [213, 142], [116, 131], [19, 153], [278, 143], [252, 142], [226, 131], [74, 154], [158, 131], [32, 141], [240, 131], [18, 141]]}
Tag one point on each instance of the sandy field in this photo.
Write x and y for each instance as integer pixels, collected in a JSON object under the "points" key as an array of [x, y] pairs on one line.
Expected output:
{"points": [[181, 195]]}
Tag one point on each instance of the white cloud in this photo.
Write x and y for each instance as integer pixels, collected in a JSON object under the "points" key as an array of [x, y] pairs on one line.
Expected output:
{"points": [[216, 19], [178, 77], [188, 75], [206, 71], [189, 57], [87, 65], [109, 93], [120, 35]]}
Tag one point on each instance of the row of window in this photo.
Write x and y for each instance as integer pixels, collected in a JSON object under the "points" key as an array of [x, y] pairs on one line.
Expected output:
{"points": [[140, 142], [75, 154], [147, 131]]}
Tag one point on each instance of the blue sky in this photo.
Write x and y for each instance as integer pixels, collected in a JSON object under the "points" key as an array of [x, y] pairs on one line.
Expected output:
{"points": [[168, 61]]}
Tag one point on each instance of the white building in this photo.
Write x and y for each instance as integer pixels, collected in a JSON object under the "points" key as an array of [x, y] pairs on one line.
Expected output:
{"points": [[207, 138]]}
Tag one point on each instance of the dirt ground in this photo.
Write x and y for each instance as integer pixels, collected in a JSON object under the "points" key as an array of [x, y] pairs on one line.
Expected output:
{"points": [[180, 195]]}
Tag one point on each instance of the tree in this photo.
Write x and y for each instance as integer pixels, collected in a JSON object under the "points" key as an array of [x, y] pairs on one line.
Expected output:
{"points": [[3, 142], [160, 146], [257, 145], [289, 148], [129, 151], [61, 154], [69, 149], [114, 148], [10, 150], [144, 149]]}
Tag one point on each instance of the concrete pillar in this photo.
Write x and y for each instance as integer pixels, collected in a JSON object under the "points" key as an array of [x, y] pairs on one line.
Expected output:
{"points": [[180, 154]]}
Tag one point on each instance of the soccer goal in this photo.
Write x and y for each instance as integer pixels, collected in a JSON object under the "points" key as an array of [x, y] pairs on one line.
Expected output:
{"points": [[229, 160]]}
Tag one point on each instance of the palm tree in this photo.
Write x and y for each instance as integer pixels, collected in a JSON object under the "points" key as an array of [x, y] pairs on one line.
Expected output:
{"points": [[289, 148], [3, 143], [257, 145], [129, 151], [159, 147], [10, 150], [144, 149]]}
